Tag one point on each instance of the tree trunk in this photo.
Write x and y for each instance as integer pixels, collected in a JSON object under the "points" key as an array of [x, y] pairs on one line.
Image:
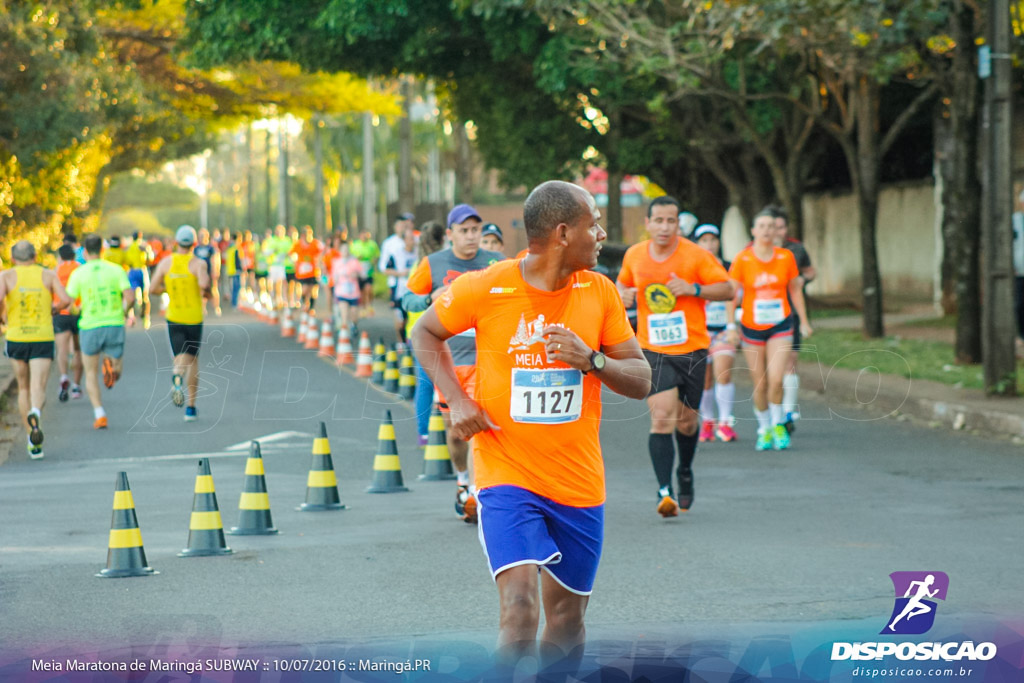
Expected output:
{"points": [[282, 173], [613, 219], [867, 188], [269, 193], [957, 149], [319, 216], [250, 208], [406, 196], [463, 164]]}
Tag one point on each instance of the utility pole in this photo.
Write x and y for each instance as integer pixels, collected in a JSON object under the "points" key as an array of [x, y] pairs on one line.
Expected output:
{"points": [[995, 67]]}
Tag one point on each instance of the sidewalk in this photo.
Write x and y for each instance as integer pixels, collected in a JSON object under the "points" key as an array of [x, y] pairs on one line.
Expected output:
{"points": [[935, 403]]}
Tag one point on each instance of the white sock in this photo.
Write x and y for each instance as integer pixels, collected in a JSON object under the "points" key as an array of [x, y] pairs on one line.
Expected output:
{"points": [[99, 412], [63, 378], [707, 405], [725, 394], [462, 478], [790, 388], [777, 413], [36, 411], [763, 420]]}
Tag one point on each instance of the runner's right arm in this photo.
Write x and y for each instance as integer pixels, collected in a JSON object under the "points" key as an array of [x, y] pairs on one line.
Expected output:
{"points": [[428, 342], [156, 285]]}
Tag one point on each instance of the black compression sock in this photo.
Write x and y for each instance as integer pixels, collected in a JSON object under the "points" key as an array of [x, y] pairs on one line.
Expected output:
{"points": [[687, 449], [663, 453]]}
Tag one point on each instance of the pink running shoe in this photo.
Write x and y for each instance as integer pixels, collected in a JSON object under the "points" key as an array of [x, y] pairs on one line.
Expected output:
{"points": [[725, 432], [707, 430]]}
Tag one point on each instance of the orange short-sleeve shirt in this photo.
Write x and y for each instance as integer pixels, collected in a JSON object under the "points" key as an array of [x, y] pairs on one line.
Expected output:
{"points": [[306, 256], [765, 286], [666, 323], [548, 413]]}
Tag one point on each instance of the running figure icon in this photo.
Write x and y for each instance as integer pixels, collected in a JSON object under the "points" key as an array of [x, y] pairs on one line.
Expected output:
{"points": [[915, 607], [917, 594]]}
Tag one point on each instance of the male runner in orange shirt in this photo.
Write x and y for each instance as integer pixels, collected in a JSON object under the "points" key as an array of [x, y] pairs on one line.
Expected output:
{"points": [[670, 278], [549, 333]]}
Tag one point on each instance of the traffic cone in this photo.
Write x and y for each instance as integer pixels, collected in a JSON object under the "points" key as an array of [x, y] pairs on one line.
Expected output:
{"points": [[322, 484], [125, 556], [326, 341], [300, 335], [312, 337], [254, 504], [437, 462], [287, 325], [364, 361], [391, 372], [379, 363], [205, 529], [343, 352], [387, 470], [407, 377]]}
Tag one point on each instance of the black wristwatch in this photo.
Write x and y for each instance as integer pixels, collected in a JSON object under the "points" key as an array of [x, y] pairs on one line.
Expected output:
{"points": [[597, 360]]}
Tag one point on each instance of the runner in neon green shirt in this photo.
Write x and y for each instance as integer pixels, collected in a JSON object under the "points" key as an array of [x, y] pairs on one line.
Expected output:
{"points": [[106, 294]]}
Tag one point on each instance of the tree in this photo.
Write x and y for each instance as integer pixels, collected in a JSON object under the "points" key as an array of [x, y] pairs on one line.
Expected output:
{"points": [[833, 56]]}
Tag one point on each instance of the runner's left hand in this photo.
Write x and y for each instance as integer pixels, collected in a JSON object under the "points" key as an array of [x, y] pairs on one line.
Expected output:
{"points": [[679, 286], [566, 346]]}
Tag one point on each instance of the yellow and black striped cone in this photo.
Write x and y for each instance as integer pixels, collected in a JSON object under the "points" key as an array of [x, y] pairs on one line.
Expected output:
{"points": [[379, 364], [387, 470], [254, 505], [437, 462], [322, 483], [125, 556], [407, 377], [391, 372], [205, 529]]}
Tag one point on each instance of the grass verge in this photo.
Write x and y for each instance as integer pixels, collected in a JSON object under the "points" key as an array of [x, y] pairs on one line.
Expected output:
{"points": [[911, 358]]}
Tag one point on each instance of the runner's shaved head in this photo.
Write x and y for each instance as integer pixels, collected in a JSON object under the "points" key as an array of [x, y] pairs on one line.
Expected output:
{"points": [[550, 204]]}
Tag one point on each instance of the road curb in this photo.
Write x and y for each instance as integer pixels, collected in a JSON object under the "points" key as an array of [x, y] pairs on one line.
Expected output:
{"points": [[6, 382], [932, 402]]}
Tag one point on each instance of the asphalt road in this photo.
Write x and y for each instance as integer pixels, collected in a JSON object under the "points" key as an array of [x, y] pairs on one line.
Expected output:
{"points": [[807, 536]]}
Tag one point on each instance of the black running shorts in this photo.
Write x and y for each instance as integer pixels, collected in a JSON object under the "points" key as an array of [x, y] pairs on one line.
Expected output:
{"points": [[684, 372], [26, 351], [185, 338]]}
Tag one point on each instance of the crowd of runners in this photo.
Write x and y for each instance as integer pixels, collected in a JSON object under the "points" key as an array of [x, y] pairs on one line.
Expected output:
{"points": [[512, 349]]}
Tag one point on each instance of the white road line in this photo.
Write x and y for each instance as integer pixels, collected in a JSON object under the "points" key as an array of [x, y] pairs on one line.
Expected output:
{"points": [[269, 438]]}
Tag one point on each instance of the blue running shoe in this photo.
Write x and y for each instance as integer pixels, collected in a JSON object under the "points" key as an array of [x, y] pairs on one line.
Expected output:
{"points": [[190, 414], [764, 441]]}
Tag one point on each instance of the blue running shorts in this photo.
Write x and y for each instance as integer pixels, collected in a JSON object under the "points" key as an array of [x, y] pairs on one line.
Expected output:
{"points": [[517, 527], [136, 278]]}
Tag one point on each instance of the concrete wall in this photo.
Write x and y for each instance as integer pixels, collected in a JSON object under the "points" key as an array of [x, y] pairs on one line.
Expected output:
{"points": [[908, 250]]}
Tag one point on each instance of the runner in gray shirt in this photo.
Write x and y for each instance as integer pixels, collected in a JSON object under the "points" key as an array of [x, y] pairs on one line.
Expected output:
{"points": [[429, 281]]}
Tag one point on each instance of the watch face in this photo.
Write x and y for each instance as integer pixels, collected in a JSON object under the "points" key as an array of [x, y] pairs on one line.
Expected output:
{"points": [[599, 361]]}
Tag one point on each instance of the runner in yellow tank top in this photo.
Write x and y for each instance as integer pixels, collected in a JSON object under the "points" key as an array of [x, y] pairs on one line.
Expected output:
{"points": [[30, 295], [184, 277]]}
